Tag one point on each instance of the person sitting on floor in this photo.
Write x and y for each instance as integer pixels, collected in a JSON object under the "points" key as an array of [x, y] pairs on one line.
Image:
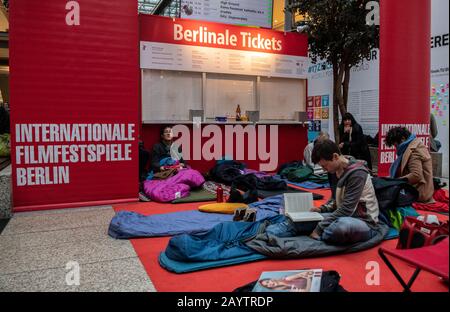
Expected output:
{"points": [[354, 216], [352, 139], [413, 162], [307, 153], [144, 157], [166, 150]]}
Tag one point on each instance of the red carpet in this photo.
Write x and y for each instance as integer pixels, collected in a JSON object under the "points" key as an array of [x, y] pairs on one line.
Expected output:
{"points": [[352, 267]]}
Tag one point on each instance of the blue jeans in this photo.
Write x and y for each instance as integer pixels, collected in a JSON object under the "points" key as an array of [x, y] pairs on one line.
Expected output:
{"points": [[345, 230], [291, 229]]}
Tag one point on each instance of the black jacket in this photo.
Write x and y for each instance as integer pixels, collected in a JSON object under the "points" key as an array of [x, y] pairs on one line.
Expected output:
{"points": [[356, 146], [4, 120], [394, 193], [159, 152]]}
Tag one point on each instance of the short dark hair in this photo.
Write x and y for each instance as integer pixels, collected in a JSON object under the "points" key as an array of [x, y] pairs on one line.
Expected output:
{"points": [[396, 135], [324, 149], [161, 131]]}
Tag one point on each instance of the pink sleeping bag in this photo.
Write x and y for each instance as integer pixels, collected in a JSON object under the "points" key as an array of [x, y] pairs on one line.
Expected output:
{"points": [[174, 187]]}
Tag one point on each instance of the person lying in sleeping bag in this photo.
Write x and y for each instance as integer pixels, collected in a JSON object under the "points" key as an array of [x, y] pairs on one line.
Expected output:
{"points": [[354, 216], [166, 149]]}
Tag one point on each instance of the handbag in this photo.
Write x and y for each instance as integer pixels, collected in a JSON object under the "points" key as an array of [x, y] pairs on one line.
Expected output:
{"points": [[416, 233]]}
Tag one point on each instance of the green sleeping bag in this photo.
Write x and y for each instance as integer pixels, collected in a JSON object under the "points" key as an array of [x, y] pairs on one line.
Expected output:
{"points": [[197, 195]]}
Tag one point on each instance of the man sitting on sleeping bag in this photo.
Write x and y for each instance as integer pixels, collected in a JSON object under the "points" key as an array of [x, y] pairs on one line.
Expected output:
{"points": [[354, 215]]}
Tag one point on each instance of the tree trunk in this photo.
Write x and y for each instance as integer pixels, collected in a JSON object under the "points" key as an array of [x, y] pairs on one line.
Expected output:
{"points": [[336, 102], [339, 106], [345, 86]]}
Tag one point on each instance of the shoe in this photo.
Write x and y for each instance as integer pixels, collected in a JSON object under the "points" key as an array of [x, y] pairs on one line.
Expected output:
{"points": [[250, 215], [235, 196], [245, 214], [239, 214], [143, 197]]}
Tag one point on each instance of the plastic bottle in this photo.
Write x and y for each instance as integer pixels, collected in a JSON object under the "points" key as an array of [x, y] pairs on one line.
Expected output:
{"points": [[238, 113], [220, 194]]}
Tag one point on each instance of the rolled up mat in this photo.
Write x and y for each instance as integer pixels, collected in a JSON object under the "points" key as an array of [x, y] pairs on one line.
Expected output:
{"points": [[186, 267], [227, 208]]}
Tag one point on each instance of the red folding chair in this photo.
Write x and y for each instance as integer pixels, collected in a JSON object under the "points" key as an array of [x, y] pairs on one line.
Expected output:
{"points": [[433, 259]]}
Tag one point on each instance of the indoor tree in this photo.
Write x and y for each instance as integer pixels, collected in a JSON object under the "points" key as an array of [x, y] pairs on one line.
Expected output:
{"points": [[339, 34]]}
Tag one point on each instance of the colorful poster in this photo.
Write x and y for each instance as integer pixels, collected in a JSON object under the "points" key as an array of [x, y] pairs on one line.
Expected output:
{"points": [[248, 12], [318, 101], [310, 114], [440, 77], [325, 113], [317, 125], [318, 113], [310, 102], [325, 101]]}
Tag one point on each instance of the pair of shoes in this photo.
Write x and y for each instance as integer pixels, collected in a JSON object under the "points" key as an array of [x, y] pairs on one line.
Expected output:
{"points": [[250, 215], [245, 214], [239, 214], [143, 197]]}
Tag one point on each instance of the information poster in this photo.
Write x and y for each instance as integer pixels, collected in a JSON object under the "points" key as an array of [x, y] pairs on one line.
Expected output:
{"points": [[439, 97], [249, 12], [318, 111]]}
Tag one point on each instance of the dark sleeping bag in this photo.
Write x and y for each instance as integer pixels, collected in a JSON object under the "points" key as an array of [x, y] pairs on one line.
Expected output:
{"points": [[251, 181], [306, 247], [230, 240], [226, 171]]}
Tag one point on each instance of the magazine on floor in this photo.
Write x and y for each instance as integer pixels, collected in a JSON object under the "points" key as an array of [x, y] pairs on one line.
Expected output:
{"points": [[289, 281]]}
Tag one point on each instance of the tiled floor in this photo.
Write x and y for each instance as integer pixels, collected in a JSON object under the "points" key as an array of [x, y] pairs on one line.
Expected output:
{"points": [[35, 248]]}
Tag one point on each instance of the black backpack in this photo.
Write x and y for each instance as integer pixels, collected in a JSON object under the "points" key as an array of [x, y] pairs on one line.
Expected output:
{"points": [[393, 193]]}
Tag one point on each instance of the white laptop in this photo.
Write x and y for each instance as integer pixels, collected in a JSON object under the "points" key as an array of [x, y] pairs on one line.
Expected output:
{"points": [[297, 207]]}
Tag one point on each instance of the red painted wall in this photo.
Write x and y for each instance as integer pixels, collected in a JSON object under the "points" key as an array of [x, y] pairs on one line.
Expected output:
{"points": [[292, 140], [75, 74], [405, 28]]}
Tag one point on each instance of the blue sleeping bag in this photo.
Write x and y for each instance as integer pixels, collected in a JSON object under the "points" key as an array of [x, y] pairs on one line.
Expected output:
{"points": [[126, 224], [186, 267]]}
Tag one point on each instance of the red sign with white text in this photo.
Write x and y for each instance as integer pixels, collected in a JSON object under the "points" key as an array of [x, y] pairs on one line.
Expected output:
{"points": [[74, 102], [215, 35]]}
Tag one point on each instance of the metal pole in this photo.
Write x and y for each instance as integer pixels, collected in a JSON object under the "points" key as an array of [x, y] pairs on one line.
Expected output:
{"points": [[287, 17]]}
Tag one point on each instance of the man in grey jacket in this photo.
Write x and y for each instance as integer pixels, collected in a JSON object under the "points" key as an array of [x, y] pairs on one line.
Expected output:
{"points": [[354, 215]]}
